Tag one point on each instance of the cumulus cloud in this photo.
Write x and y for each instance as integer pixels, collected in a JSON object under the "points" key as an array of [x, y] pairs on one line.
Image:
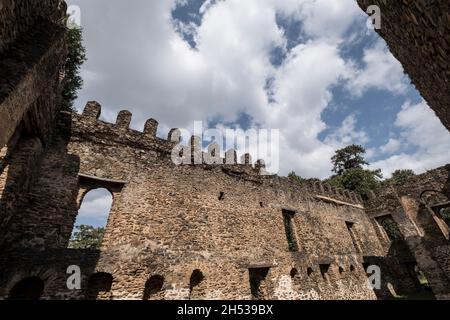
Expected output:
{"points": [[381, 71], [96, 206], [419, 129], [393, 145], [139, 60]]}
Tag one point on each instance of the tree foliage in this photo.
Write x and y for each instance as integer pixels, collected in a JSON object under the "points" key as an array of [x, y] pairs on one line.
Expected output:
{"points": [[348, 164], [75, 59], [350, 157], [400, 176], [359, 180], [296, 178], [86, 237]]}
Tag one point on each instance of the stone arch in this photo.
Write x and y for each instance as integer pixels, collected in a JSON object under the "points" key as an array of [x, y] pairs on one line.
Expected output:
{"points": [[103, 199], [109, 189], [30, 288], [99, 286], [153, 289], [195, 281]]}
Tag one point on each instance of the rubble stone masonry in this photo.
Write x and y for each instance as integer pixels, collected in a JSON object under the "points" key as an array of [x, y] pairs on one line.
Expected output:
{"points": [[222, 231], [418, 35]]}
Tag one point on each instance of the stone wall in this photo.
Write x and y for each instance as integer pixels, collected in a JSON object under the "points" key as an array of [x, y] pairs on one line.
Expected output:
{"points": [[168, 220], [425, 233], [418, 35], [32, 56]]}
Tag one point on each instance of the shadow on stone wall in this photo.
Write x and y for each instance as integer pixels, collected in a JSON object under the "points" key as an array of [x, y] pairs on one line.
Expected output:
{"points": [[38, 208]]}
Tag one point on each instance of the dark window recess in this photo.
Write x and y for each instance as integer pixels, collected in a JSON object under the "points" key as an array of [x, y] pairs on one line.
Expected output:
{"points": [[27, 289], [366, 266], [99, 282], [352, 268], [258, 283], [445, 215], [288, 218], [390, 227], [324, 268], [153, 286], [310, 271], [294, 272], [351, 231], [221, 196], [196, 278]]}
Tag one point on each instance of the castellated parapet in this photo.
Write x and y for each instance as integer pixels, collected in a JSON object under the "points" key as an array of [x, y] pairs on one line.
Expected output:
{"points": [[89, 126]]}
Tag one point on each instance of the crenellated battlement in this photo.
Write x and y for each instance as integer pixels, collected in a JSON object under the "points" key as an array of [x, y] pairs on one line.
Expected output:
{"points": [[88, 126], [325, 190]]}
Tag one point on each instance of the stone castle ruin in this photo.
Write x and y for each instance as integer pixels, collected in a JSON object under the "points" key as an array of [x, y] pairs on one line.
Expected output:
{"points": [[188, 231]]}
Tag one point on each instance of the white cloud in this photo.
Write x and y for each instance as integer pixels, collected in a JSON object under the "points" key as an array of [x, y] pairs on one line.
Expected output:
{"points": [[393, 145], [96, 205], [381, 71], [139, 61], [347, 134], [422, 131]]}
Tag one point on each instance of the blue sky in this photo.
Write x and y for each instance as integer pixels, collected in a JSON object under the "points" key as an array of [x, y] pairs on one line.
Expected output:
{"points": [[310, 68]]}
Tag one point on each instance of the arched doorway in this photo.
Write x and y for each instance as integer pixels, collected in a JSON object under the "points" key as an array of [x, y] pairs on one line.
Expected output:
{"points": [[153, 287], [99, 285], [30, 288]]}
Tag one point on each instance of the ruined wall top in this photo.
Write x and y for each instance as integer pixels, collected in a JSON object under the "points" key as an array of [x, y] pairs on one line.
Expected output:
{"points": [[88, 127], [387, 199], [418, 35]]}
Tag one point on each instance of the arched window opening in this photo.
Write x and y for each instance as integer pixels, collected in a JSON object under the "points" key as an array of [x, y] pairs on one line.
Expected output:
{"points": [[27, 289], [153, 287], [91, 221], [196, 279], [341, 270], [294, 272], [99, 285]]}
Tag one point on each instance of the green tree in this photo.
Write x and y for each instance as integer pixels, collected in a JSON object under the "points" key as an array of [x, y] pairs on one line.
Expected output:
{"points": [[296, 178], [400, 176], [75, 59], [359, 180], [348, 164], [86, 237], [350, 157]]}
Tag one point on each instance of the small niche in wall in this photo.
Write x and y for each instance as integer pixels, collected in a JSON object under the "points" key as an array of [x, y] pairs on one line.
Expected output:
{"points": [[153, 286], [258, 283], [294, 272], [310, 271], [221, 196], [289, 228], [30, 288], [341, 270], [352, 268], [195, 280], [324, 268]]}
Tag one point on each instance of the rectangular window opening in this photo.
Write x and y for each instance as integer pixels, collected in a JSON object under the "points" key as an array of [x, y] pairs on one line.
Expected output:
{"points": [[258, 283], [289, 227]]}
